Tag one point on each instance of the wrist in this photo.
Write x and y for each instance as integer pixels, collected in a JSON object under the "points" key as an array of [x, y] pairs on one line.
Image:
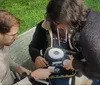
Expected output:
{"points": [[76, 64], [19, 68], [31, 79]]}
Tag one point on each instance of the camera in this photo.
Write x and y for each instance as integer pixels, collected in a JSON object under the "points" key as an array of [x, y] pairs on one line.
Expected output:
{"points": [[56, 58]]}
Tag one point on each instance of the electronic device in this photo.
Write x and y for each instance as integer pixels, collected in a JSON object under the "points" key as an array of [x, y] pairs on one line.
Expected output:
{"points": [[56, 58]]}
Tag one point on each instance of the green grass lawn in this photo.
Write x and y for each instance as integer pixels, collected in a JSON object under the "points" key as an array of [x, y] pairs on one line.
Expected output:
{"points": [[93, 4], [30, 12]]}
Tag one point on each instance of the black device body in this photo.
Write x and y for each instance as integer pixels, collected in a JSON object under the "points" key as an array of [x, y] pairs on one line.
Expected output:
{"points": [[56, 58]]}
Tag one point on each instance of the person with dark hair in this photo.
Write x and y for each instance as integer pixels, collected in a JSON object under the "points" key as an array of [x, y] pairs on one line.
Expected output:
{"points": [[77, 22], [83, 26], [9, 26], [65, 28]]}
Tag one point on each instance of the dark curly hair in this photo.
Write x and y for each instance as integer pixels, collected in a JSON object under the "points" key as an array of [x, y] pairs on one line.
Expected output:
{"points": [[71, 12], [7, 20]]}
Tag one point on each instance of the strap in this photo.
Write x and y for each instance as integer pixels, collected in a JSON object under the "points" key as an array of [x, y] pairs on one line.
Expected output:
{"points": [[73, 80], [51, 36]]}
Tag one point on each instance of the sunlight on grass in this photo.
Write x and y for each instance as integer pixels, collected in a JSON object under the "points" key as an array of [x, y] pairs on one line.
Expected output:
{"points": [[30, 12], [93, 4]]}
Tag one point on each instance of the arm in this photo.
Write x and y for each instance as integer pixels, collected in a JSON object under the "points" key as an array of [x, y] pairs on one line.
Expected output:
{"points": [[90, 44], [13, 65], [37, 74], [90, 50], [87, 69], [38, 42], [18, 68]]}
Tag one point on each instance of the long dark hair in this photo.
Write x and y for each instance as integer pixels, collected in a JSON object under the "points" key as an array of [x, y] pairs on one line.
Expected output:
{"points": [[71, 12]]}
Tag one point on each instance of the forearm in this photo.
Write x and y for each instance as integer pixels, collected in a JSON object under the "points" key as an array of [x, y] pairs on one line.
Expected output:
{"points": [[38, 42], [89, 71], [77, 64], [13, 65], [33, 53]]}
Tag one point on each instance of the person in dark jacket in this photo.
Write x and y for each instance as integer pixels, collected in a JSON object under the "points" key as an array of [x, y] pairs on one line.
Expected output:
{"points": [[83, 26], [40, 42], [57, 19], [90, 44]]}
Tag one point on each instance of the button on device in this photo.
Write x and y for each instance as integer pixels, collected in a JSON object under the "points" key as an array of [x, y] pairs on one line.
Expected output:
{"points": [[57, 70], [66, 61]]}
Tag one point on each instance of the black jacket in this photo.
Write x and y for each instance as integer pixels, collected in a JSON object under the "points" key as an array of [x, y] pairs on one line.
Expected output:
{"points": [[90, 44], [40, 41]]}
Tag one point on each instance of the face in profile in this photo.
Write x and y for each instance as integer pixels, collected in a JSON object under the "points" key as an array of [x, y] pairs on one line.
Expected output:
{"points": [[10, 37]]}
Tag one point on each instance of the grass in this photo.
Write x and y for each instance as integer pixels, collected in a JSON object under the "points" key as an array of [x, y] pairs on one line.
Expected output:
{"points": [[93, 4], [30, 12]]}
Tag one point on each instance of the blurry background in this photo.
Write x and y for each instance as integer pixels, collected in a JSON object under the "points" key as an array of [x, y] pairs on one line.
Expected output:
{"points": [[30, 12]]}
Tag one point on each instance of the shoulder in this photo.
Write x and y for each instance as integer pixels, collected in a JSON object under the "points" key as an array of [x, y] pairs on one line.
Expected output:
{"points": [[90, 34], [92, 25], [44, 25], [93, 18]]}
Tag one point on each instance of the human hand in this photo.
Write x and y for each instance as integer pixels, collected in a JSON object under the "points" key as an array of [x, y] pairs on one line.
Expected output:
{"points": [[21, 70], [41, 73], [87, 82], [41, 62], [68, 65]]}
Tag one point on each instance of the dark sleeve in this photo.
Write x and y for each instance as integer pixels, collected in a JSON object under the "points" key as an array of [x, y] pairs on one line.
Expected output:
{"points": [[38, 42], [90, 71], [91, 53], [90, 44]]}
